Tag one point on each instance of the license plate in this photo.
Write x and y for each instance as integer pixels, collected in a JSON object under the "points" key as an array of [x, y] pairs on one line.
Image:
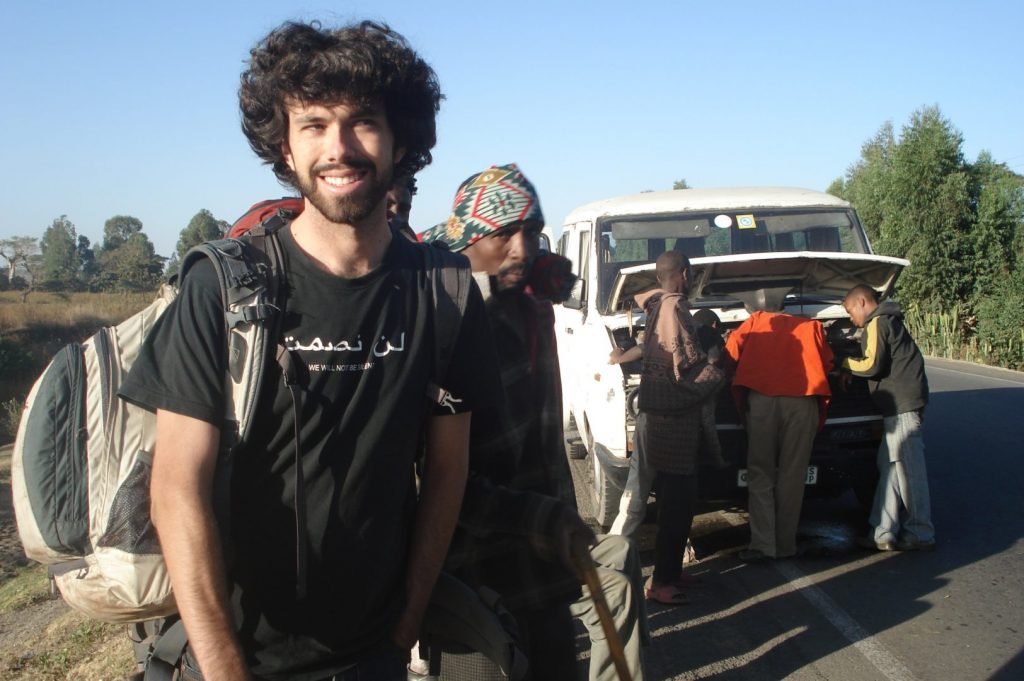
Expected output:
{"points": [[811, 479]]}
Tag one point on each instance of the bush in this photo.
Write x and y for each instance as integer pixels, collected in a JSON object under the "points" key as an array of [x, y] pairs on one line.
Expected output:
{"points": [[10, 415], [1000, 329], [15, 360], [938, 333]]}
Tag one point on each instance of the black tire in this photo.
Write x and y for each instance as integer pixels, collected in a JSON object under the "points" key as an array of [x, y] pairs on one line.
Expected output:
{"points": [[606, 497]]}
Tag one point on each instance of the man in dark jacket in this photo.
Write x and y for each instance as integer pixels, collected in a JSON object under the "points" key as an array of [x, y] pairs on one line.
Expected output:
{"points": [[894, 367], [519, 518]]}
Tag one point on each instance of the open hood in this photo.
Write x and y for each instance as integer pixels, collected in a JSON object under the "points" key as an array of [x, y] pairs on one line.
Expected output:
{"points": [[763, 280]]}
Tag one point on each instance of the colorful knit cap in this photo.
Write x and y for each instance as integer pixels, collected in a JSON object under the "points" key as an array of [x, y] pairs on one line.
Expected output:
{"points": [[485, 203]]}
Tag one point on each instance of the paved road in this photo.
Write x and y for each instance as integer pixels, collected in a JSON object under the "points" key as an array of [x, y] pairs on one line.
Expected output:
{"points": [[844, 613]]}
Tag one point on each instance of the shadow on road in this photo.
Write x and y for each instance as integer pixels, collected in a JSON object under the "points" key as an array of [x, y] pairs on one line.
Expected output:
{"points": [[953, 613]]}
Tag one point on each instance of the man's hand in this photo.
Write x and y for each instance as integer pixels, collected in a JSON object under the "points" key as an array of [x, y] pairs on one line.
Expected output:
{"points": [[572, 537], [845, 378], [620, 356]]}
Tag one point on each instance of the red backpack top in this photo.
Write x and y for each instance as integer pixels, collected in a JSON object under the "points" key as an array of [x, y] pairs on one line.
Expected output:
{"points": [[263, 210]]}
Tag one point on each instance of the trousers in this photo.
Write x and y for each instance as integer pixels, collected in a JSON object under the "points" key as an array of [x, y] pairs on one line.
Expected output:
{"points": [[619, 571], [633, 503], [677, 501], [780, 434], [902, 505]]}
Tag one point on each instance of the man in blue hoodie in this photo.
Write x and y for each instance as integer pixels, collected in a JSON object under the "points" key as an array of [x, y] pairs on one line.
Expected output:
{"points": [[894, 367]]}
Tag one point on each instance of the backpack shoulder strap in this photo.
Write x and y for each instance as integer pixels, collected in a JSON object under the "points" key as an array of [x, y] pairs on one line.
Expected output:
{"points": [[167, 651], [451, 279], [250, 271]]}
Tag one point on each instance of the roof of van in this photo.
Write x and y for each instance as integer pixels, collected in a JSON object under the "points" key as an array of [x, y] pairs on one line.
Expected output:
{"points": [[718, 198]]}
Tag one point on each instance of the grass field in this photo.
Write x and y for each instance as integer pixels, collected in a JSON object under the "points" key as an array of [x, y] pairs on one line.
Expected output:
{"points": [[31, 332], [66, 310]]}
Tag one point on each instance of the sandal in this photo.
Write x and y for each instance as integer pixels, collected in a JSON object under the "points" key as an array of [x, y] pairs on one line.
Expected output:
{"points": [[666, 594], [686, 580]]}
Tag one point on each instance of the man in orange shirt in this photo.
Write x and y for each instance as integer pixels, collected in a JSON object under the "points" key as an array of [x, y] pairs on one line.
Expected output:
{"points": [[782, 392]]}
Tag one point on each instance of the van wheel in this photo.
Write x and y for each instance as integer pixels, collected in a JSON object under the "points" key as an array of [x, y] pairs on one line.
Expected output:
{"points": [[606, 497]]}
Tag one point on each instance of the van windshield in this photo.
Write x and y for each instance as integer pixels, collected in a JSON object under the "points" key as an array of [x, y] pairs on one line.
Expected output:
{"points": [[627, 241]]}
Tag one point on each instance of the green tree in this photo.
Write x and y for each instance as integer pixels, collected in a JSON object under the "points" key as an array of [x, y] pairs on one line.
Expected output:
{"points": [[133, 264], [960, 224], [202, 227], [60, 264], [118, 229], [914, 199], [1000, 317], [1000, 223], [680, 184], [867, 182], [929, 213], [88, 267]]}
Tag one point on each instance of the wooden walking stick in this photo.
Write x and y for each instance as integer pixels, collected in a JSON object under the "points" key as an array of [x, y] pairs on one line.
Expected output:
{"points": [[585, 566]]}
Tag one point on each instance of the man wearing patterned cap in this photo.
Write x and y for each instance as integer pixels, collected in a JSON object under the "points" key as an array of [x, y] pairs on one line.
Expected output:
{"points": [[519, 521]]}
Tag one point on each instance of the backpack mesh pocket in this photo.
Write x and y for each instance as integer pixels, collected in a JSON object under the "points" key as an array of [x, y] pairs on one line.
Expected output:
{"points": [[129, 527]]}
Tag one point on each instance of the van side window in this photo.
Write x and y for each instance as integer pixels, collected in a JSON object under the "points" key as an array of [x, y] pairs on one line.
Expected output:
{"points": [[577, 299], [562, 242]]}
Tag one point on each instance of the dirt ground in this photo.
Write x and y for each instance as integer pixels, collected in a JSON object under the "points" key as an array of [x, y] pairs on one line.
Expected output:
{"points": [[17, 628], [11, 554], [42, 629]]}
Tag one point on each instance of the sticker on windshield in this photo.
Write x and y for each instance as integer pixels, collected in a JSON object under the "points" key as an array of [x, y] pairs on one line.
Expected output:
{"points": [[723, 221], [746, 222]]}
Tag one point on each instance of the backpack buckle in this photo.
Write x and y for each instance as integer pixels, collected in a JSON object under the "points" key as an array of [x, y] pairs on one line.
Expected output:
{"points": [[250, 314]]}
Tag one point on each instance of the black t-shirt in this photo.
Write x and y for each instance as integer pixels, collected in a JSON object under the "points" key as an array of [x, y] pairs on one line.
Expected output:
{"points": [[366, 346]]}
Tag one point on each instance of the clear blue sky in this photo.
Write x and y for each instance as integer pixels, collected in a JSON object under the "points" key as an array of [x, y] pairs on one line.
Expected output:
{"points": [[127, 108]]}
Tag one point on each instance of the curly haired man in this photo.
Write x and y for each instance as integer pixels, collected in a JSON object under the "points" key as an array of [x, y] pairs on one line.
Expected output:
{"points": [[332, 585]]}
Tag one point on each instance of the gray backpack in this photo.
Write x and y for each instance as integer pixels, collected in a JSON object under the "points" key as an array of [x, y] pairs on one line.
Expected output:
{"points": [[81, 462]]}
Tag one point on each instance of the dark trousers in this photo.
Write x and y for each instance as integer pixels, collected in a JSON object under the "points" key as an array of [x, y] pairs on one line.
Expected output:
{"points": [[677, 500], [549, 641]]}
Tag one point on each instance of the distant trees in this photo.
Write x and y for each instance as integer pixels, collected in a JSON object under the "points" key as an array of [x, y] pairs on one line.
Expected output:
{"points": [[202, 227], [960, 224], [132, 266], [16, 252], [60, 266], [118, 229], [87, 260], [125, 260]]}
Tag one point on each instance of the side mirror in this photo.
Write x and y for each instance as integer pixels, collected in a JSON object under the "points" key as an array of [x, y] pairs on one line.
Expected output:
{"points": [[545, 243], [577, 299]]}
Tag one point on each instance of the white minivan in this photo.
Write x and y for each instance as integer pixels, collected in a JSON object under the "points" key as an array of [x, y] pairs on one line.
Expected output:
{"points": [[749, 247]]}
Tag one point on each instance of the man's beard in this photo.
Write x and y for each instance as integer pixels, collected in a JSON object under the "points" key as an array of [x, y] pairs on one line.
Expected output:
{"points": [[353, 208], [513, 277]]}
